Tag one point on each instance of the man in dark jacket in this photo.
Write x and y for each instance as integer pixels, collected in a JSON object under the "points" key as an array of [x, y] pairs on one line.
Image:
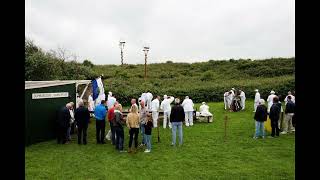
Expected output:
{"points": [[63, 124], [274, 116], [176, 118], [260, 116], [289, 112], [82, 117]]}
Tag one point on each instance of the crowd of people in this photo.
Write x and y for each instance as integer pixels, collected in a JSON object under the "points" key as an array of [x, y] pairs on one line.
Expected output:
{"points": [[141, 119], [144, 116], [273, 110], [234, 100]]}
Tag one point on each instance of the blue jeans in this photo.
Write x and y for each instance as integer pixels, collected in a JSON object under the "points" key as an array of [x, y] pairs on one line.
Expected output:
{"points": [[148, 141], [176, 125], [259, 129], [69, 133], [142, 133], [120, 138]]}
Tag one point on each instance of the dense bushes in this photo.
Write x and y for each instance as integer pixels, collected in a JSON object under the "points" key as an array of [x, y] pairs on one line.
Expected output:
{"points": [[202, 81]]}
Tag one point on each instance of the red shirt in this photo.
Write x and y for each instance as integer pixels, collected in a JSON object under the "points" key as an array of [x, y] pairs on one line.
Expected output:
{"points": [[111, 114]]}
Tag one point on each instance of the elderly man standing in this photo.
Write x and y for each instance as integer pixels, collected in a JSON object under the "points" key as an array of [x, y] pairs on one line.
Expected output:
{"points": [[256, 100], [100, 114], [155, 104], [63, 123], [289, 112], [243, 99], [270, 100], [166, 107], [187, 105], [90, 103], [82, 117]]}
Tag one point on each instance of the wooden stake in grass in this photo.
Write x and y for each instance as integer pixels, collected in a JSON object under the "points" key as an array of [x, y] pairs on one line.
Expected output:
{"points": [[225, 127], [158, 131]]}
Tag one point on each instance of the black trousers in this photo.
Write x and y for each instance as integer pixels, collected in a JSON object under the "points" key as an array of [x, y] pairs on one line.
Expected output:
{"points": [[120, 137], [82, 134], [275, 128], [133, 132], [113, 133], [61, 134], [100, 128]]}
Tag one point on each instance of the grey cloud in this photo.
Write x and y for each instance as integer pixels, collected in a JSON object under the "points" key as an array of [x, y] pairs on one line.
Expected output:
{"points": [[175, 30]]}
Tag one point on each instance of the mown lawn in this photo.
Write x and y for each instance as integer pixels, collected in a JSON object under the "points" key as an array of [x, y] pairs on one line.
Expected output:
{"points": [[204, 155]]}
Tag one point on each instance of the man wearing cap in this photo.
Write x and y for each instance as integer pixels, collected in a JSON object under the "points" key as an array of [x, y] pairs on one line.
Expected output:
{"points": [[166, 107], [270, 100], [256, 100], [187, 105]]}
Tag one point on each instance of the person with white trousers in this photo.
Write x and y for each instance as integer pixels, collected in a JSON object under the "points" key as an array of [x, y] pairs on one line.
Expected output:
{"points": [[155, 104], [256, 100], [225, 97], [270, 99], [166, 107], [187, 105], [243, 99]]}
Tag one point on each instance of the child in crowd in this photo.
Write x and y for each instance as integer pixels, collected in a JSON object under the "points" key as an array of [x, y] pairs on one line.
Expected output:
{"points": [[148, 129]]}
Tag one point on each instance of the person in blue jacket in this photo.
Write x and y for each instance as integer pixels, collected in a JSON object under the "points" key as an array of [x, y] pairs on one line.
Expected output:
{"points": [[100, 113]]}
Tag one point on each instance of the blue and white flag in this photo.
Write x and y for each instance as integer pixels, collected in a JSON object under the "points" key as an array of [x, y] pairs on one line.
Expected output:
{"points": [[98, 91]]}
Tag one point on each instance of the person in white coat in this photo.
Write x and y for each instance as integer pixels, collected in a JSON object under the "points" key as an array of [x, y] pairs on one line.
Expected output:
{"points": [[292, 98], [270, 99], [166, 107], [149, 99], [229, 99], [256, 100], [187, 105], [90, 103], [243, 99], [225, 97], [155, 105], [204, 110]]}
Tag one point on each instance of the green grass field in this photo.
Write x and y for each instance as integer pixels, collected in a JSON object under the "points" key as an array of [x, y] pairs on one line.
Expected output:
{"points": [[204, 155]]}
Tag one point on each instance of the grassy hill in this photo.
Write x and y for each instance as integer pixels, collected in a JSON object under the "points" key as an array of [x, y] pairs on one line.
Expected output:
{"points": [[205, 81]]}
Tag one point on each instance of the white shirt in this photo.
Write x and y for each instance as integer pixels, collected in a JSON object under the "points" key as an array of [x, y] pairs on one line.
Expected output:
{"points": [[187, 105], [111, 101], [204, 110], [270, 100], [257, 97], [155, 105], [149, 96], [91, 103], [292, 99], [242, 96], [165, 104]]}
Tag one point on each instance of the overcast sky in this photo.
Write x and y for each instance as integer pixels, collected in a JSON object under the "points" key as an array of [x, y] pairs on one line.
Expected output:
{"points": [[176, 30]]}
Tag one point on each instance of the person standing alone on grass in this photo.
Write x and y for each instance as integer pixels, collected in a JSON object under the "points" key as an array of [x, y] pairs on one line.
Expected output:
{"points": [[147, 131], [177, 116], [274, 116], [143, 120], [260, 116], [100, 115], [118, 127], [243, 99], [289, 112], [256, 100], [187, 105], [133, 125], [82, 117]]}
